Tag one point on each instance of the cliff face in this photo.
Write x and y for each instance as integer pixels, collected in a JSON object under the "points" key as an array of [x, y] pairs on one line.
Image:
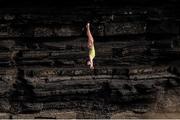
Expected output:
{"points": [[43, 53]]}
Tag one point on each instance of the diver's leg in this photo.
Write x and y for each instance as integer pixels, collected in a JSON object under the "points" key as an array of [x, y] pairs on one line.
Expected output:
{"points": [[89, 35]]}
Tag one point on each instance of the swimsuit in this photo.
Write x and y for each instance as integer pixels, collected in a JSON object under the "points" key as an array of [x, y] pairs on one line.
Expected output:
{"points": [[92, 52]]}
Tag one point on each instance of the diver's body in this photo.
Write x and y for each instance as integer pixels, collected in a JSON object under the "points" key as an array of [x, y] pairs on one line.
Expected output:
{"points": [[90, 46]]}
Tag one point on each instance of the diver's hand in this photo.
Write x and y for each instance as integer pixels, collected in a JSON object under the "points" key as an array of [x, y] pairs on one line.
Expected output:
{"points": [[91, 66]]}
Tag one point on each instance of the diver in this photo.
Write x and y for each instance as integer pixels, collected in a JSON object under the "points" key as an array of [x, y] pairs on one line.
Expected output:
{"points": [[90, 46]]}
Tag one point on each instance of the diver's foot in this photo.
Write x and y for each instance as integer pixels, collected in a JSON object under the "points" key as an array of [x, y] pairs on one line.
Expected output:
{"points": [[87, 25]]}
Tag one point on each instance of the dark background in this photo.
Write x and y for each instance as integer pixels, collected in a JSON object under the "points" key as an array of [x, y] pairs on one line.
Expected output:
{"points": [[43, 53]]}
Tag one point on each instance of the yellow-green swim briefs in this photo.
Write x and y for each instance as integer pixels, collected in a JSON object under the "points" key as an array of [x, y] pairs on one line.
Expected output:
{"points": [[92, 53]]}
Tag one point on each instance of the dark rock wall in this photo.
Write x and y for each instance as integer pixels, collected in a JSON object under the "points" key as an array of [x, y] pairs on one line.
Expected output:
{"points": [[43, 51]]}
